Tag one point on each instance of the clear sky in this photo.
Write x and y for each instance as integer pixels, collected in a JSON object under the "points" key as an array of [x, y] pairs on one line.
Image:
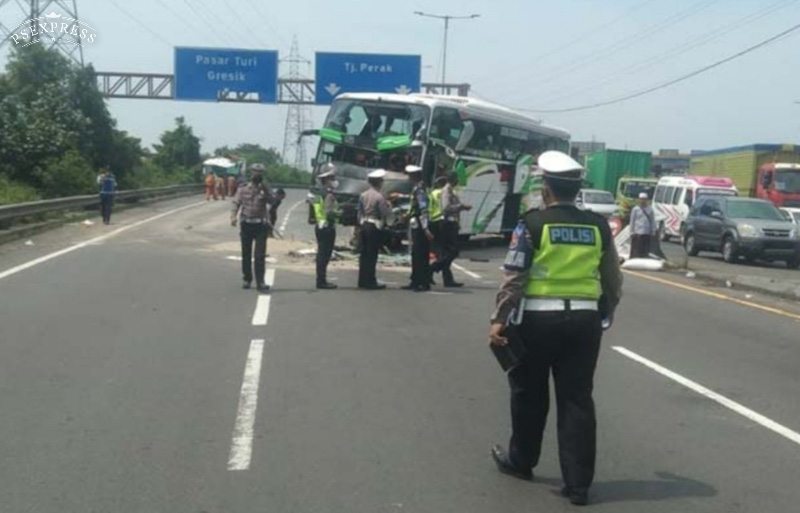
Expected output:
{"points": [[521, 53]]}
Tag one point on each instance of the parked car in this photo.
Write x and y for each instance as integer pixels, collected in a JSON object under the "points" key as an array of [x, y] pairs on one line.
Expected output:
{"points": [[599, 202], [747, 227], [792, 214]]}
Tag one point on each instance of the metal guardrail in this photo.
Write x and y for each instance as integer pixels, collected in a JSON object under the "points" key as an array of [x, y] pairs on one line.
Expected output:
{"points": [[10, 213]]}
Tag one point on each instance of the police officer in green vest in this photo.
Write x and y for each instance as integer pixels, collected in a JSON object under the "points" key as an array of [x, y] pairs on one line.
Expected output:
{"points": [[326, 211], [561, 287], [436, 218]]}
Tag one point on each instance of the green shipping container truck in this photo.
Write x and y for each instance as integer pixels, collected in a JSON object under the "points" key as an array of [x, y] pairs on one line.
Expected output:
{"points": [[605, 168]]}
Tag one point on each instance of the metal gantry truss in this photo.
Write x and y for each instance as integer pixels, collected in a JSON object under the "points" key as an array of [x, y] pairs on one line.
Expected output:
{"points": [[158, 86]]}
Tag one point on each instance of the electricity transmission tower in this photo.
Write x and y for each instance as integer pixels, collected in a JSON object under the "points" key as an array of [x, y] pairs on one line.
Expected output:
{"points": [[32, 12], [298, 118]]}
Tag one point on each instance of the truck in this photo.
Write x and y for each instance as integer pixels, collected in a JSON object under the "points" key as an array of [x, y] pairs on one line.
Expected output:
{"points": [[605, 168], [628, 190], [765, 171]]}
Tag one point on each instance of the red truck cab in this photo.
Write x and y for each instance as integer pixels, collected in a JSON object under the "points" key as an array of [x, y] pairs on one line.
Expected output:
{"points": [[779, 183]]}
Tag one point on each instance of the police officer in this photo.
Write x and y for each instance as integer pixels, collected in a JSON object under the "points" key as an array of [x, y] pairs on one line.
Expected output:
{"points": [[562, 274], [325, 213], [373, 216], [451, 208], [250, 210], [436, 220], [421, 235]]}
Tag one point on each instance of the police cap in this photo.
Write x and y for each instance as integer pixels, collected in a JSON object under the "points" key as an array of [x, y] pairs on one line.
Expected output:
{"points": [[378, 174], [413, 169], [560, 166]]}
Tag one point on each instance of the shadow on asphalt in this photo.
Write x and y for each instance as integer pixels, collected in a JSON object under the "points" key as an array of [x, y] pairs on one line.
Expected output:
{"points": [[668, 486]]}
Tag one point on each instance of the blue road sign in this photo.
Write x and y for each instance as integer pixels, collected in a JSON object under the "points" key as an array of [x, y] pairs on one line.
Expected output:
{"points": [[338, 73], [202, 73]]}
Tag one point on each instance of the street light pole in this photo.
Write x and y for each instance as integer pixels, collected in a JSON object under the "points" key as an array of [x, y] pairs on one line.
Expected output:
{"points": [[446, 18]]}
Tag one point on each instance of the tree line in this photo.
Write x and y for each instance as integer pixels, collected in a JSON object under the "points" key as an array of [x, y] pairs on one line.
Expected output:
{"points": [[56, 134]]}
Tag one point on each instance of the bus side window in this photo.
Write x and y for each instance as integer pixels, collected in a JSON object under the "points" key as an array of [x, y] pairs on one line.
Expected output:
{"points": [[689, 199], [659, 195]]}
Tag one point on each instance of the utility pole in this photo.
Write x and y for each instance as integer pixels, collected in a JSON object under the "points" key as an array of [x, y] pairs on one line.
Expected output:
{"points": [[29, 12], [298, 118], [446, 18]]}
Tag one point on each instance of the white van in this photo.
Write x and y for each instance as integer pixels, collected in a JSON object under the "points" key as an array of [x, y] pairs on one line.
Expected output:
{"points": [[675, 195]]}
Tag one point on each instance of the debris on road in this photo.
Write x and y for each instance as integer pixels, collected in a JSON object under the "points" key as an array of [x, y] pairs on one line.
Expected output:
{"points": [[691, 274], [29, 242], [88, 222], [643, 264], [729, 284]]}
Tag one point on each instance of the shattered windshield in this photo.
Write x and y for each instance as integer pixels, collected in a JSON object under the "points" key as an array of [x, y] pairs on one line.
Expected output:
{"points": [[373, 120]]}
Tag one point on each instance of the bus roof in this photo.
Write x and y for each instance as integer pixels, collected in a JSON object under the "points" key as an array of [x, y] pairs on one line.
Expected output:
{"points": [[479, 109]]}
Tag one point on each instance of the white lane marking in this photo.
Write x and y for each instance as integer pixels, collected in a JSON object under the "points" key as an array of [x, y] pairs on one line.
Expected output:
{"points": [[242, 442], [269, 277], [234, 258], [261, 315], [45, 258], [469, 273], [285, 221], [710, 394]]}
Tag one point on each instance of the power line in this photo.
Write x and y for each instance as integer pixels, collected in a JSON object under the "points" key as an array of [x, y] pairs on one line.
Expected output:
{"points": [[142, 25], [182, 19], [626, 42], [586, 35], [714, 35], [243, 21], [673, 81], [201, 16], [266, 20]]}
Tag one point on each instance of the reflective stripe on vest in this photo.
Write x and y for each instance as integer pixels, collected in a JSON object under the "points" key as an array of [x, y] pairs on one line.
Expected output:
{"points": [[319, 212], [566, 264], [435, 207]]}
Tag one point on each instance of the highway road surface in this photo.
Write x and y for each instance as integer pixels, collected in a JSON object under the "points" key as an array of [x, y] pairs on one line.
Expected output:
{"points": [[137, 376]]}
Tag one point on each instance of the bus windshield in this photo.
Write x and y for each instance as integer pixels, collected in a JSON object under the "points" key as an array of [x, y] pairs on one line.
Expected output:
{"points": [[373, 120]]}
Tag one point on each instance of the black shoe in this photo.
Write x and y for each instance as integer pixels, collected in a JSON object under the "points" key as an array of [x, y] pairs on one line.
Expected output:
{"points": [[422, 288], [327, 286], [376, 286], [577, 498], [453, 285], [505, 466], [263, 287], [409, 287], [246, 285]]}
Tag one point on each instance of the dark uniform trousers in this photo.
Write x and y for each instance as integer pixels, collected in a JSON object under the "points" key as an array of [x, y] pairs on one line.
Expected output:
{"points": [[420, 258], [567, 343], [106, 202], [448, 249], [253, 233], [371, 239], [326, 237]]}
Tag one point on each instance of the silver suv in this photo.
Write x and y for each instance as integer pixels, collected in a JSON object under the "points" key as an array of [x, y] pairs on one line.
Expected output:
{"points": [[735, 227]]}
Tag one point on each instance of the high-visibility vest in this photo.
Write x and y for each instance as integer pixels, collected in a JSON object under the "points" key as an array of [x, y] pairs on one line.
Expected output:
{"points": [[566, 264], [319, 211], [435, 207]]}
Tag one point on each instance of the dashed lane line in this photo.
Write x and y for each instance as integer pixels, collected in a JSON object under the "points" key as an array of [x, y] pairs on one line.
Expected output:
{"points": [[710, 394], [466, 271], [242, 441]]}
